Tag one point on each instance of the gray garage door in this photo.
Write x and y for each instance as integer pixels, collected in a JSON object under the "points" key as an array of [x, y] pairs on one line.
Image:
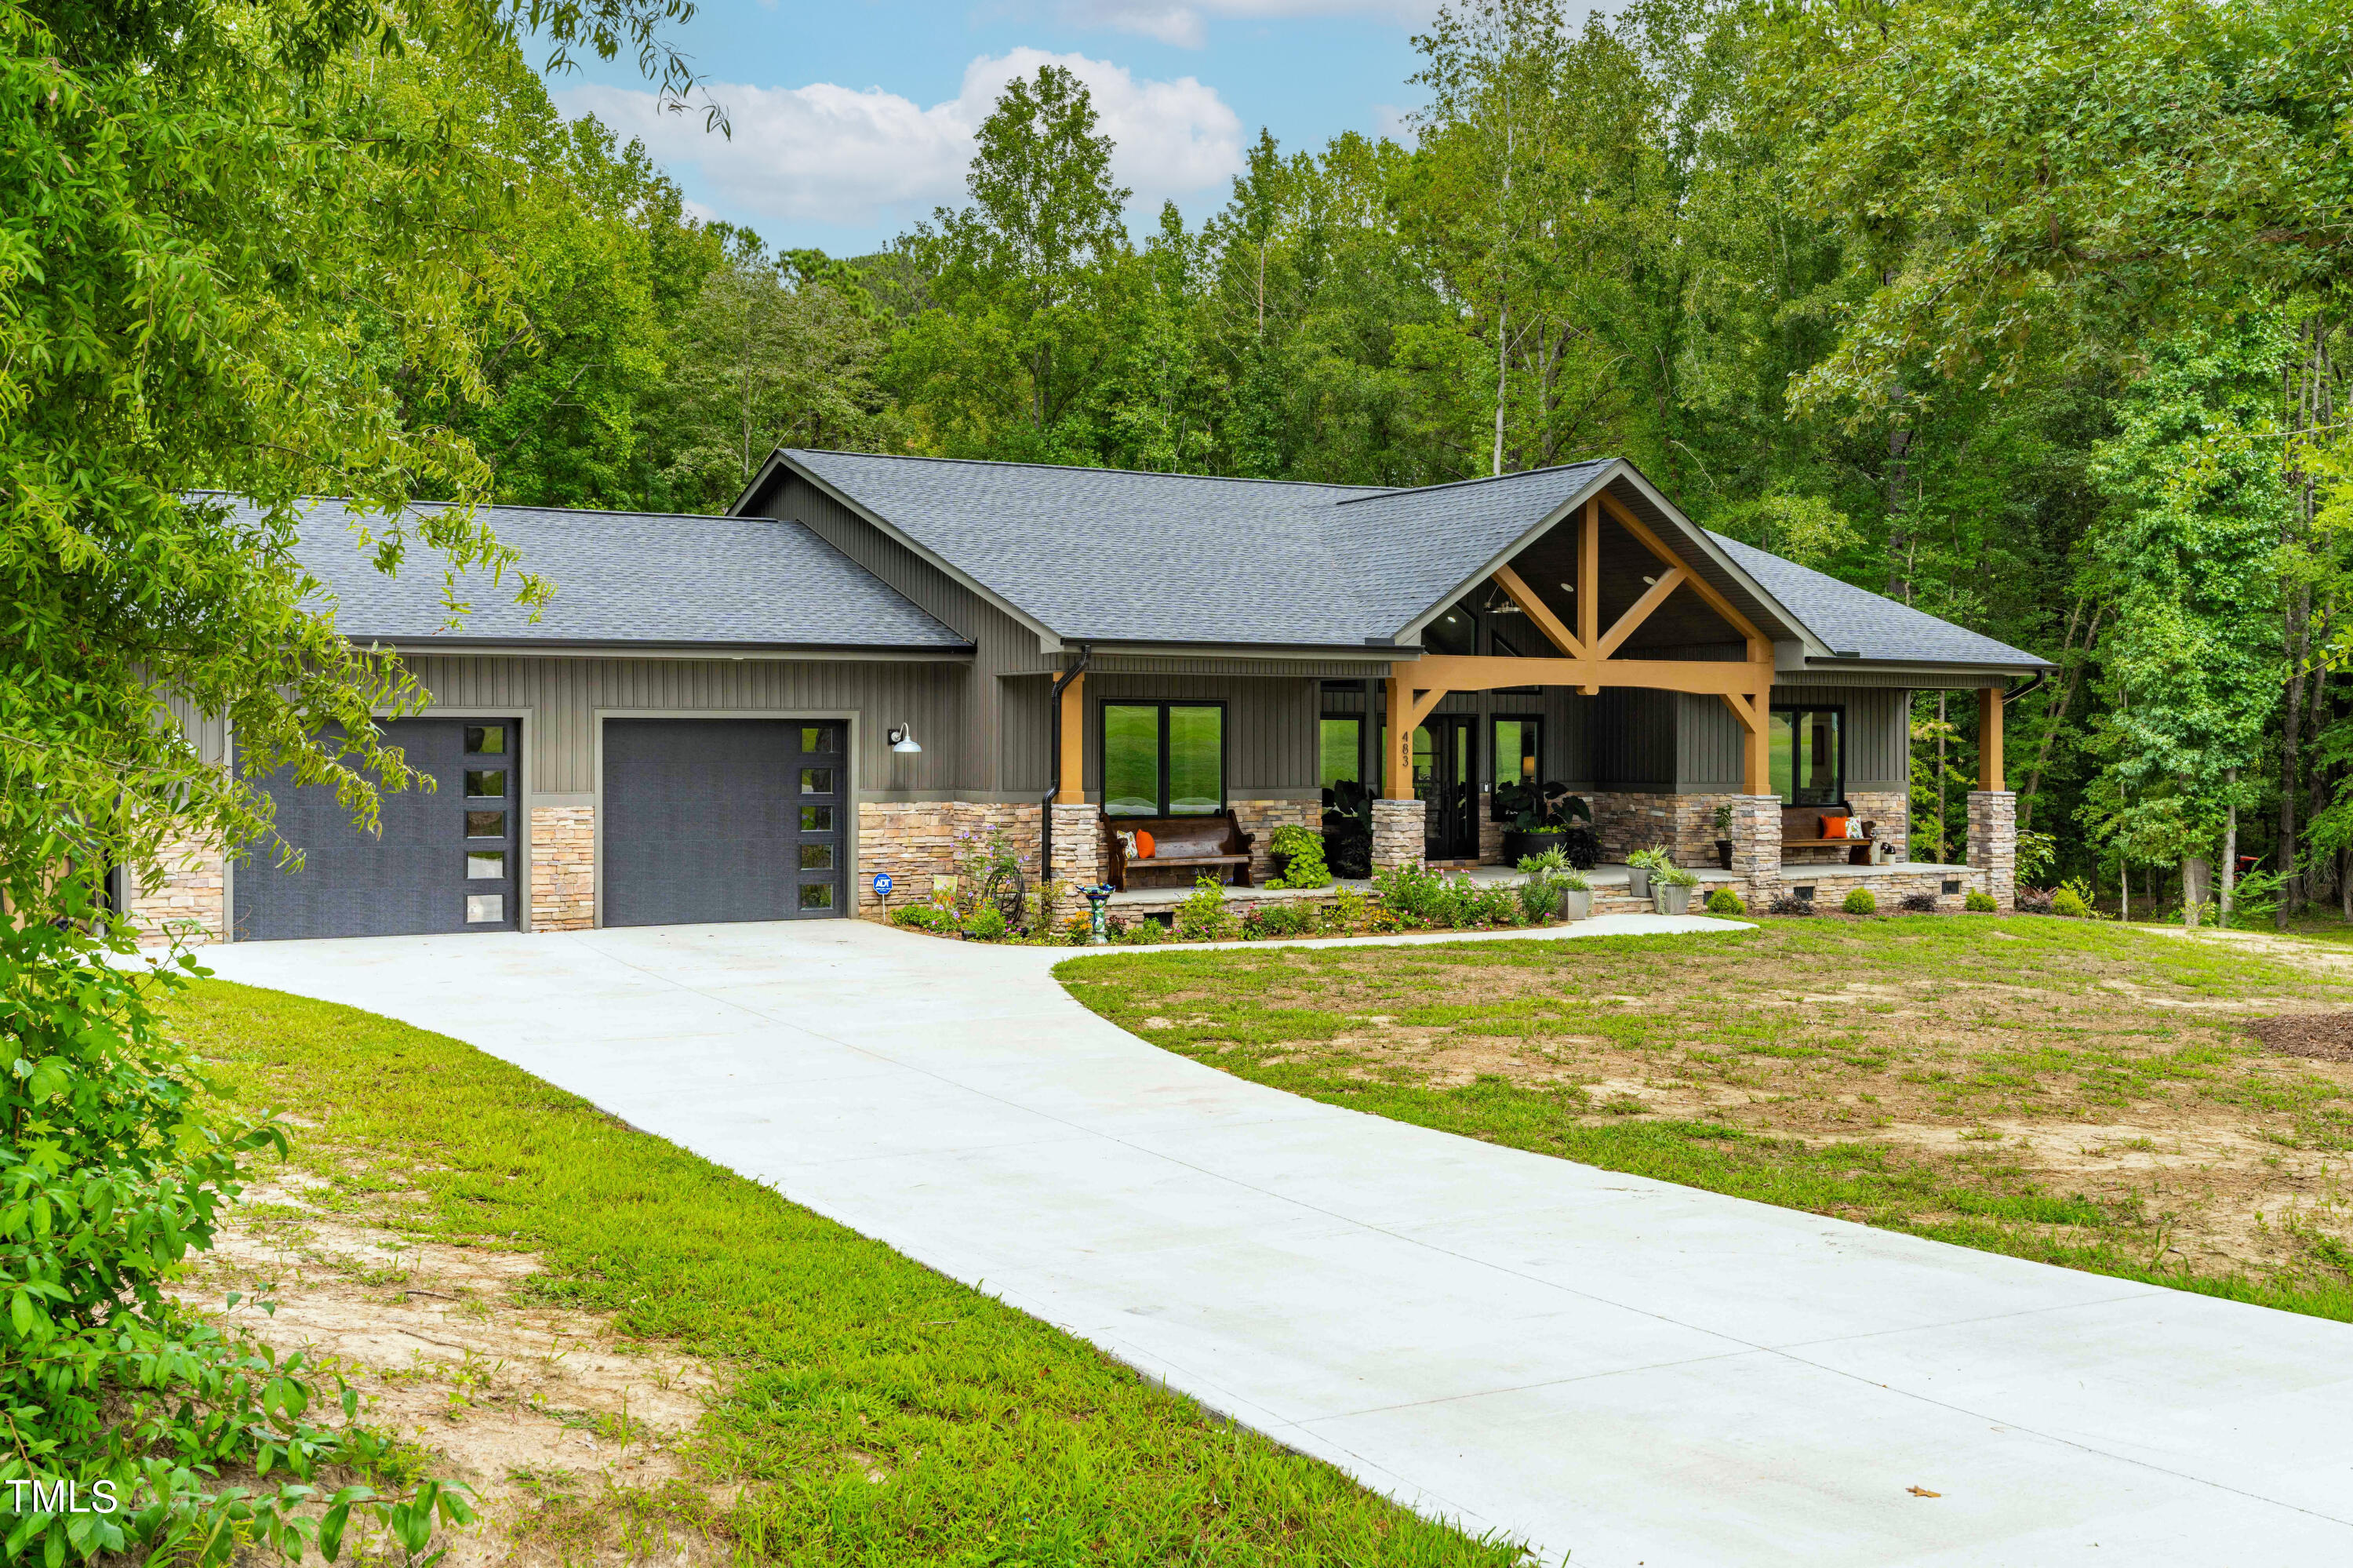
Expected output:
{"points": [[712, 820], [447, 858]]}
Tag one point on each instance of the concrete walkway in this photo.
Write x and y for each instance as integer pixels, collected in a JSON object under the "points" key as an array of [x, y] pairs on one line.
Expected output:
{"points": [[1636, 1372]]}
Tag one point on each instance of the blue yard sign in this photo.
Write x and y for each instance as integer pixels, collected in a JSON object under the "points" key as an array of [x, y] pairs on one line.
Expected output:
{"points": [[882, 885]]}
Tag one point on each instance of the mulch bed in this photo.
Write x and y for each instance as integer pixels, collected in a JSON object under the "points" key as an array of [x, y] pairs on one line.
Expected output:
{"points": [[2322, 1036]]}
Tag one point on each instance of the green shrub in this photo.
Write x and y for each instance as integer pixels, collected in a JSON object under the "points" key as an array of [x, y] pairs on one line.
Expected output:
{"points": [[986, 924], [1723, 901], [1203, 916], [110, 1176], [1539, 899], [1350, 909], [2068, 902], [1417, 895], [1861, 901], [1142, 934], [1287, 919], [1980, 902], [1496, 904], [1305, 848], [923, 917]]}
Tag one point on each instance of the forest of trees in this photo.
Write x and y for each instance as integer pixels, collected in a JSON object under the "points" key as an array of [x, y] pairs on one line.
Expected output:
{"points": [[2027, 313]]}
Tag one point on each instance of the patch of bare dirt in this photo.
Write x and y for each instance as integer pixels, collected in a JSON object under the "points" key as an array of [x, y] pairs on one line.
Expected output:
{"points": [[573, 1445], [2317, 1036], [2110, 1087]]}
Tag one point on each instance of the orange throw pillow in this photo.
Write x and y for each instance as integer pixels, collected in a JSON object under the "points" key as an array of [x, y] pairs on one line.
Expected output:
{"points": [[1143, 844], [1833, 827]]}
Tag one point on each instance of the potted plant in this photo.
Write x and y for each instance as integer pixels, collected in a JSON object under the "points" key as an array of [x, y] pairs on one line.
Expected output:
{"points": [[1670, 889], [1297, 854], [1724, 837], [1640, 867], [1576, 897], [1542, 817]]}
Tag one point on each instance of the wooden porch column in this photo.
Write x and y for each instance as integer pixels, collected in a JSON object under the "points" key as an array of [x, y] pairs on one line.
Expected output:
{"points": [[1589, 584], [1070, 768], [1397, 766], [1989, 740]]}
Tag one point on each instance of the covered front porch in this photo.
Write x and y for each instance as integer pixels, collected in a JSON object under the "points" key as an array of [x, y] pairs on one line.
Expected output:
{"points": [[1611, 673]]}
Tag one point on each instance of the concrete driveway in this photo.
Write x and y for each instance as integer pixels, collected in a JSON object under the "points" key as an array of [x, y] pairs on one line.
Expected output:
{"points": [[1630, 1371]]}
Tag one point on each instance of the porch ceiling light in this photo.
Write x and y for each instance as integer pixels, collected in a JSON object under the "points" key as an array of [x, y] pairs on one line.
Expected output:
{"points": [[903, 739]]}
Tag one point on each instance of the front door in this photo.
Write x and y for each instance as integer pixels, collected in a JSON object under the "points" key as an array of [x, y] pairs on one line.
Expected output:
{"points": [[1445, 777]]}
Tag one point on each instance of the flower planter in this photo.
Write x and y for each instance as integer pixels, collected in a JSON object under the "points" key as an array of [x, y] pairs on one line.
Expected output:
{"points": [[1724, 855], [1519, 845], [1576, 902], [1280, 864], [1638, 882], [1668, 900]]}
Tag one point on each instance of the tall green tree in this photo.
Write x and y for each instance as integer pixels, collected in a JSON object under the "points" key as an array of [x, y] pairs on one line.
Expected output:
{"points": [[1016, 337], [238, 242], [2186, 553]]}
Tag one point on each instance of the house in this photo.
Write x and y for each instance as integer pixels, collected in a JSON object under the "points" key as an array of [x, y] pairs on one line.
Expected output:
{"points": [[795, 709]]}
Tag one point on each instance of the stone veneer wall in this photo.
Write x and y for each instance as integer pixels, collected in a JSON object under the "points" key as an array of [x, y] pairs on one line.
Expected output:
{"points": [[563, 868], [189, 902], [1892, 809], [1887, 884], [1993, 843], [1261, 818], [915, 841], [1399, 833], [1631, 820]]}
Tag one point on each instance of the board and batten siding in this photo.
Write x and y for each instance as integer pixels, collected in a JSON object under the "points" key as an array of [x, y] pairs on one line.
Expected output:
{"points": [[1270, 728], [1001, 645], [1877, 738], [563, 696]]}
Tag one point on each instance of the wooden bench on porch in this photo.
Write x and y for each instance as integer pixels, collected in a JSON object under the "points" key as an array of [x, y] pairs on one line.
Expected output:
{"points": [[1801, 829], [1184, 847]]}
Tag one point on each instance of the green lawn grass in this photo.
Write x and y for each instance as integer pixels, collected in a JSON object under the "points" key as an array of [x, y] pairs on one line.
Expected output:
{"points": [[1006, 1441], [1947, 1091]]}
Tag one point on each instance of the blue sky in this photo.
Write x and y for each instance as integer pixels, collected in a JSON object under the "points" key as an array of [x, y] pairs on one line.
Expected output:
{"points": [[853, 119]]}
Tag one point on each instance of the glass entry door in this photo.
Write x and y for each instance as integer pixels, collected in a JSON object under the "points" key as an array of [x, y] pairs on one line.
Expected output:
{"points": [[1446, 777]]}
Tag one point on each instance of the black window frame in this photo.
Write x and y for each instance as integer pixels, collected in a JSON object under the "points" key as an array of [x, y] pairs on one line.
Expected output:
{"points": [[1495, 758], [1102, 753], [1360, 720], [1793, 708]]}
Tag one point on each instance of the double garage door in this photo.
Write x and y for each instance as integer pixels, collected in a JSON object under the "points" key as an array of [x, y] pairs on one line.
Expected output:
{"points": [[701, 819]]}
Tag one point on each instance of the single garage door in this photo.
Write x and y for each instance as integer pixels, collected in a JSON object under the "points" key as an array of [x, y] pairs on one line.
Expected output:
{"points": [[447, 858], [708, 820]]}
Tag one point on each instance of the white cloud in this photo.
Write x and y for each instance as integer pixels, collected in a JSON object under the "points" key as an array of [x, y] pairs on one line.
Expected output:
{"points": [[1183, 22], [867, 157]]}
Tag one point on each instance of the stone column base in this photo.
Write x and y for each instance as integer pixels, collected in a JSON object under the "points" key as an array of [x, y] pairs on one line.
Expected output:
{"points": [[1261, 818], [188, 902], [1398, 834], [1757, 847], [1078, 844], [1993, 843], [563, 868]]}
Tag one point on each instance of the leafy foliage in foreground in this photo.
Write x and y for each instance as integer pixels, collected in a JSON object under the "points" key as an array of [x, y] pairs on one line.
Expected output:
{"points": [[999, 1440], [111, 1173]]}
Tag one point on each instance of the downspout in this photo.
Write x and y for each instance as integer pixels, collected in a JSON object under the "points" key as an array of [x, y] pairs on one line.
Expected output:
{"points": [[1054, 759]]}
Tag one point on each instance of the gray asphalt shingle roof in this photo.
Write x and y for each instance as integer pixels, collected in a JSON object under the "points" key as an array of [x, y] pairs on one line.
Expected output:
{"points": [[1108, 554], [1116, 556], [1856, 621], [623, 577]]}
